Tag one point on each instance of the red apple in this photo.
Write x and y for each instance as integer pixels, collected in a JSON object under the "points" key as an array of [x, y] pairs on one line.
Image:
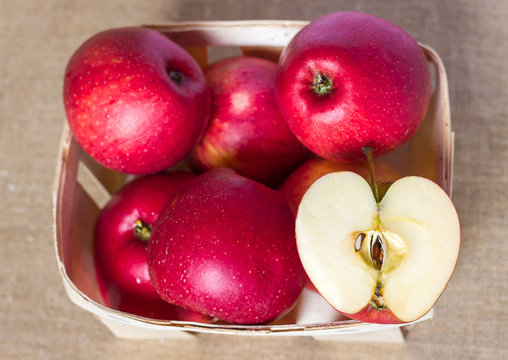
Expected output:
{"points": [[300, 180], [135, 101], [154, 308], [296, 184], [378, 258], [349, 80], [121, 239], [247, 132], [226, 248]]}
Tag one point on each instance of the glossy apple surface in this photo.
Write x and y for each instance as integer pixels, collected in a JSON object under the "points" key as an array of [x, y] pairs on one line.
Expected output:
{"points": [[120, 248], [247, 132], [299, 181], [226, 248], [135, 101], [154, 308], [378, 260], [349, 80]]}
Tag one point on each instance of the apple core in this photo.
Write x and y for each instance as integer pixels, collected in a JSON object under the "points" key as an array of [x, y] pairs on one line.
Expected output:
{"points": [[383, 251]]}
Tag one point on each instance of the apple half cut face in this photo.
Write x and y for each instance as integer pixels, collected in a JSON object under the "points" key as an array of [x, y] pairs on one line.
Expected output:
{"points": [[381, 262]]}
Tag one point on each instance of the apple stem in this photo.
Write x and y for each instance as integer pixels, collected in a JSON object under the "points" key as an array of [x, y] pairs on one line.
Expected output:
{"points": [[367, 150], [322, 84], [142, 231], [176, 77]]}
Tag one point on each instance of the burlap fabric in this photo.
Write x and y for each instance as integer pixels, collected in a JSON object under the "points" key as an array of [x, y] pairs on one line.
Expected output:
{"points": [[37, 320]]}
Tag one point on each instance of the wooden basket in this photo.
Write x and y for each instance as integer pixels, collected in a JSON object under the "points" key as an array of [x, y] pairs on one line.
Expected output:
{"points": [[82, 187]]}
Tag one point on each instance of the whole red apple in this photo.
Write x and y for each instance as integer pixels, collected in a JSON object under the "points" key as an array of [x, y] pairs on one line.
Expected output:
{"points": [[349, 80], [299, 181], [247, 132], [135, 101], [121, 239], [226, 248]]}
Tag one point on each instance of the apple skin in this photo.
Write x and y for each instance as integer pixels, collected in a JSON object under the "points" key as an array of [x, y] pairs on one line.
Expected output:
{"points": [[380, 85], [371, 315], [247, 132], [226, 247], [119, 253], [299, 181], [148, 307], [123, 107], [121, 257]]}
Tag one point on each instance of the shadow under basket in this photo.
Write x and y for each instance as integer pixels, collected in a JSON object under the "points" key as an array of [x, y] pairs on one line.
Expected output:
{"points": [[82, 187]]}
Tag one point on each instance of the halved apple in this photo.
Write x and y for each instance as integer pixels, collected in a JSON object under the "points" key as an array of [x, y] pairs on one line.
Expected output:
{"points": [[383, 261]]}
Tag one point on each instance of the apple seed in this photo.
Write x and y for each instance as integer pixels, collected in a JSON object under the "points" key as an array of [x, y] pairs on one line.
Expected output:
{"points": [[374, 252], [359, 241], [377, 252]]}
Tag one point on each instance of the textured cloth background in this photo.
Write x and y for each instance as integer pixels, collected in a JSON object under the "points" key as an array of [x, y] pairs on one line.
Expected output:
{"points": [[37, 38]]}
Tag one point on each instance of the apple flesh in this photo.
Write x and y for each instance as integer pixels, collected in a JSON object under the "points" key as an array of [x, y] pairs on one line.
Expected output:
{"points": [[120, 246], [247, 132], [384, 261], [226, 248], [135, 101], [349, 80], [299, 181]]}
